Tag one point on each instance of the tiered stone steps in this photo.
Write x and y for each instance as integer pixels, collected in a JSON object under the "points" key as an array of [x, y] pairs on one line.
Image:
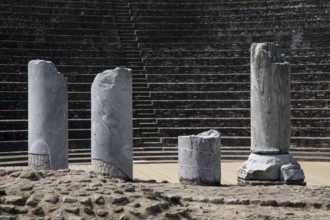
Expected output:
{"points": [[80, 37], [166, 155], [196, 59], [190, 62]]}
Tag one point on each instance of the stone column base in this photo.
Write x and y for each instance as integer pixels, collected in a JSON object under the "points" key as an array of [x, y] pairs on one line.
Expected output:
{"points": [[108, 169], [39, 161], [270, 169]]}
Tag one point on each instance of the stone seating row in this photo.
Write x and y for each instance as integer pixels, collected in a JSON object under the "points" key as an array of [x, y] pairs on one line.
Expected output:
{"points": [[313, 39], [178, 90], [282, 21], [43, 18], [154, 144], [68, 5], [58, 38], [301, 127], [59, 31], [58, 10], [139, 2], [180, 104], [307, 10], [174, 113]]}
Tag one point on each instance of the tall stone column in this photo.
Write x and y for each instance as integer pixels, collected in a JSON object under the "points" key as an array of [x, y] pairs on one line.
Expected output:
{"points": [[199, 158], [112, 126], [270, 119], [48, 116]]}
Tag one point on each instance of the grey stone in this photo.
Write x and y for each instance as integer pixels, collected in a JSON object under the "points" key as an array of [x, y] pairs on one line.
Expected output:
{"points": [[99, 200], [33, 200], [270, 100], [29, 174], [112, 129], [15, 200], [88, 211], [270, 118], [21, 209], [118, 209], [38, 211], [123, 217], [199, 158], [121, 200], [7, 208], [152, 209], [75, 218], [7, 217], [86, 201], [71, 209], [27, 188], [102, 213], [51, 198], [291, 173], [69, 200], [269, 167], [24, 218], [48, 116]]}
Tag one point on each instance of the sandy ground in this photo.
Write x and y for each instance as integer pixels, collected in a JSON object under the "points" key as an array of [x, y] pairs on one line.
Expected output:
{"points": [[316, 173]]}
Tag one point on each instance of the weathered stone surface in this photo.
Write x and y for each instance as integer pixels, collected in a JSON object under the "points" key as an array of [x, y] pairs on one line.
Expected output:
{"points": [[199, 158], [29, 174], [75, 218], [15, 200], [270, 100], [51, 198], [69, 200], [7, 208], [102, 213], [48, 116], [120, 200], [280, 167], [155, 200], [270, 120], [112, 129], [98, 199], [71, 209], [86, 201], [34, 200], [7, 217], [37, 211], [292, 173]]}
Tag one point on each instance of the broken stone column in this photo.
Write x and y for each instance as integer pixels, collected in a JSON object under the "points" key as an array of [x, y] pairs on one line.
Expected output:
{"points": [[199, 158], [48, 116], [270, 119], [112, 126]]}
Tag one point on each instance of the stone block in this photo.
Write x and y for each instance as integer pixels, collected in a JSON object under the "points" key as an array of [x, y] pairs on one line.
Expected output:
{"points": [[199, 158], [112, 129], [48, 116]]}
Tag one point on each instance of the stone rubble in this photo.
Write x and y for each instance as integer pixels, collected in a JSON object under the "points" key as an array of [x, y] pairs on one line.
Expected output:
{"points": [[68, 194]]}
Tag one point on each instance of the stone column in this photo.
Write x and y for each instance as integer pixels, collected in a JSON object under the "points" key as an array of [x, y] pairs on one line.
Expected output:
{"points": [[270, 119], [112, 126], [48, 116], [199, 158]]}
